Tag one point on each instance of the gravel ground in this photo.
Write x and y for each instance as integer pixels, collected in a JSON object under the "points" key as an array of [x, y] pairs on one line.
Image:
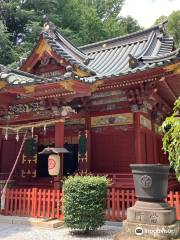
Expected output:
{"points": [[21, 232]]}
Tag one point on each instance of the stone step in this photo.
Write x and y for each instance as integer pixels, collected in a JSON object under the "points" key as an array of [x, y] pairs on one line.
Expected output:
{"points": [[35, 222]]}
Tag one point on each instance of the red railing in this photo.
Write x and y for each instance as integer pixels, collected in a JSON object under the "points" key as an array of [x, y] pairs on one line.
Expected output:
{"points": [[174, 201], [48, 203], [34, 202], [118, 200]]}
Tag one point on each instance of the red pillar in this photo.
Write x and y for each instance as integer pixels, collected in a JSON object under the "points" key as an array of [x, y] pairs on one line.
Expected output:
{"points": [[88, 127], [59, 142], [137, 140]]}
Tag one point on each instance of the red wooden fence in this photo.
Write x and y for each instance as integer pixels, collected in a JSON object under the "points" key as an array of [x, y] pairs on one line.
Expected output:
{"points": [[34, 202], [48, 203], [118, 200]]}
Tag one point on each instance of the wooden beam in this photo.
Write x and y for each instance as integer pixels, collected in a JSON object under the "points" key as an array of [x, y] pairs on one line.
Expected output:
{"points": [[160, 99], [163, 80], [137, 139]]}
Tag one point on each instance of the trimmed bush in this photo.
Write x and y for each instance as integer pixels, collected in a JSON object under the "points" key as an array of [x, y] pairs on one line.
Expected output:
{"points": [[85, 202]]}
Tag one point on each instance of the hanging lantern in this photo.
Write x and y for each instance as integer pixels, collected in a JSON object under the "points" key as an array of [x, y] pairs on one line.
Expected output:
{"points": [[54, 164]]}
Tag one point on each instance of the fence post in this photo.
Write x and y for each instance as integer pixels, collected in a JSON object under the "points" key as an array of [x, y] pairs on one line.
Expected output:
{"points": [[7, 202], [113, 204], [34, 202], [171, 199], [123, 204], [133, 197], [177, 199], [62, 204], [108, 213]]}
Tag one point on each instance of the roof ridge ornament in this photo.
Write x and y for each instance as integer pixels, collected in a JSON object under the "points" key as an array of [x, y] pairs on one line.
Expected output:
{"points": [[162, 25], [133, 61], [48, 27], [69, 72]]}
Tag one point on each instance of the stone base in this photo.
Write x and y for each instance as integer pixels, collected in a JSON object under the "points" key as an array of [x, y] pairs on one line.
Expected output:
{"points": [[28, 221], [134, 231], [159, 213]]}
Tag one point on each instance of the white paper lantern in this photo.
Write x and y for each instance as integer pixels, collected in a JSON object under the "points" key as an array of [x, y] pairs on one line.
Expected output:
{"points": [[53, 164]]}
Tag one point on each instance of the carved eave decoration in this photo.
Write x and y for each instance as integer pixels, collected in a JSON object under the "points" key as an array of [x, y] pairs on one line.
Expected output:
{"points": [[173, 68], [95, 86], [43, 51], [2, 84]]}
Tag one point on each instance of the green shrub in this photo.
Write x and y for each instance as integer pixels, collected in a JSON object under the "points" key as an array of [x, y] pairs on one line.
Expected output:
{"points": [[85, 202], [171, 138]]}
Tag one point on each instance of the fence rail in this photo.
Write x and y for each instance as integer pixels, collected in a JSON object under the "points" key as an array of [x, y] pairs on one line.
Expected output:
{"points": [[118, 200], [48, 203], [34, 202]]}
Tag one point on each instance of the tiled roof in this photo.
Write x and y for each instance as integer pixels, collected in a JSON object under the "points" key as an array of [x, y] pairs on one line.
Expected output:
{"points": [[118, 56], [113, 57], [16, 77], [134, 52]]}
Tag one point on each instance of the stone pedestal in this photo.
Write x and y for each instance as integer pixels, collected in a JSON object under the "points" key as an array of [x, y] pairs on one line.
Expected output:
{"points": [[134, 231], [159, 213], [150, 220]]}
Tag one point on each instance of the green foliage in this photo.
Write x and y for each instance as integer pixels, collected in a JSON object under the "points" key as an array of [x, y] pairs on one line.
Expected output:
{"points": [[85, 202], [7, 52], [171, 138], [161, 19], [91, 26], [82, 21], [105, 8], [173, 29], [172, 25]]}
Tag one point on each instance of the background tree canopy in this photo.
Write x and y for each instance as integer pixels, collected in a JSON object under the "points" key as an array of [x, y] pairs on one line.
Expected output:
{"points": [[81, 21]]}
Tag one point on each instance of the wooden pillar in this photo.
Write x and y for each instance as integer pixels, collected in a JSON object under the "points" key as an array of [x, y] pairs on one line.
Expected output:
{"points": [[59, 142], [137, 140], [88, 127]]}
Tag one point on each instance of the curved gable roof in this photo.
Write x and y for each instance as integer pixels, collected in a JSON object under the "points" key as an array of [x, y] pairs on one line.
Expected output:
{"points": [[112, 57], [117, 56]]}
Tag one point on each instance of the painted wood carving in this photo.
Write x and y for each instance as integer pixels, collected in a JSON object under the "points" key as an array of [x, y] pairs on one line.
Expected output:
{"points": [[145, 122], [29, 159], [108, 94], [75, 121], [112, 120], [82, 152], [109, 100]]}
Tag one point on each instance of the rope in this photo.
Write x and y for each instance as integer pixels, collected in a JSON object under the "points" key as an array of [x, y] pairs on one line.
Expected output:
{"points": [[31, 125], [3, 192]]}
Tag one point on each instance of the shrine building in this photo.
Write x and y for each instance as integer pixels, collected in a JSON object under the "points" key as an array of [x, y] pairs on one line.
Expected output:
{"points": [[103, 102]]}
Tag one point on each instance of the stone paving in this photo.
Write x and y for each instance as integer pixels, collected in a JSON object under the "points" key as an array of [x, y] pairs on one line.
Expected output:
{"points": [[22, 232]]}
